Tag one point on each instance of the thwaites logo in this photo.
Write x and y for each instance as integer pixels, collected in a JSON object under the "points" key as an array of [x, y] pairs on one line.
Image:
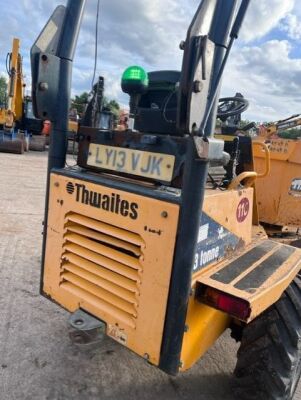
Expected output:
{"points": [[113, 203]]}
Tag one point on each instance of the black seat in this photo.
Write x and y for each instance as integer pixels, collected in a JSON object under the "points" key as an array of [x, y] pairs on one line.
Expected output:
{"points": [[157, 108]]}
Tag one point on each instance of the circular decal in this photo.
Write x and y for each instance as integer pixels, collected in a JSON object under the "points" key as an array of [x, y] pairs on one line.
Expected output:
{"points": [[70, 187], [242, 209]]}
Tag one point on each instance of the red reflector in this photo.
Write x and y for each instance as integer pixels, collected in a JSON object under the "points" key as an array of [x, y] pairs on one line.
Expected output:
{"points": [[225, 302]]}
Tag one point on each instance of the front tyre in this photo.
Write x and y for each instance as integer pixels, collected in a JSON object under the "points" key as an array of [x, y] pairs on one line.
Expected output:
{"points": [[269, 358]]}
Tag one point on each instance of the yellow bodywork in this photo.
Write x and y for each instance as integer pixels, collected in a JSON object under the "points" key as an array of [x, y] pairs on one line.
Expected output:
{"points": [[72, 126], [279, 201], [204, 324], [261, 296], [110, 252], [2, 116], [278, 191], [117, 267], [15, 85]]}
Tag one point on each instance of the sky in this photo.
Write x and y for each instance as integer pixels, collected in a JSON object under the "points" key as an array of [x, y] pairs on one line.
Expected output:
{"points": [[265, 64]]}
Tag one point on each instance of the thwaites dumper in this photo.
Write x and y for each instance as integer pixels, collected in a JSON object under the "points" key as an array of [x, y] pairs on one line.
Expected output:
{"points": [[276, 152], [139, 241], [279, 193]]}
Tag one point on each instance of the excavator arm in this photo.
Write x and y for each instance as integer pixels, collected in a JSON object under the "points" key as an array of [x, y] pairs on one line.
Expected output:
{"points": [[15, 85], [276, 127]]}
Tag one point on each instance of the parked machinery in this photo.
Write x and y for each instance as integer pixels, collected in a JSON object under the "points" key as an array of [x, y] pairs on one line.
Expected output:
{"points": [[95, 114], [11, 140], [17, 122], [141, 242], [279, 193]]}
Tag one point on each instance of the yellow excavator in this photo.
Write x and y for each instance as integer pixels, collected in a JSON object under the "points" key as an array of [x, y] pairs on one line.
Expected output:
{"points": [[19, 129], [279, 129], [153, 238], [12, 114]]}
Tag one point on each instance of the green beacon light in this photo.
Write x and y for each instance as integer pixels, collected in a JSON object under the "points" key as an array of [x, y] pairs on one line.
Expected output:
{"points": [[134, 82]]}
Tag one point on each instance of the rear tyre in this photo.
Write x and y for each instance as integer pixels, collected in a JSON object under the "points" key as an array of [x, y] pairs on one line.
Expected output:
{"points": [[269, 358]]}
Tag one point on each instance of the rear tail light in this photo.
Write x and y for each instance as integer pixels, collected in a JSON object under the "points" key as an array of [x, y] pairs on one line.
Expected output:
{"points": [[232, 305]]}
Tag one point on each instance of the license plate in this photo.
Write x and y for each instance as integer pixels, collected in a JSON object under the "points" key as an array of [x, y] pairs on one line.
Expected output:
{"points": [[135, 162]]}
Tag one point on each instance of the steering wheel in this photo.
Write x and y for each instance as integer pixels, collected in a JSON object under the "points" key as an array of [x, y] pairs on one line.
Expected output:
{"points": [[230, 106]]}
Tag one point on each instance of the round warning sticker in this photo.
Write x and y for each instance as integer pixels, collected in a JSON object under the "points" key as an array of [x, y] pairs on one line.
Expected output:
{"points": [[242, 209]]}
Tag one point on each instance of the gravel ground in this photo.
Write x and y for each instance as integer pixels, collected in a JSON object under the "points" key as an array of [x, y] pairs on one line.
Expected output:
{"points": [[37, 359]]}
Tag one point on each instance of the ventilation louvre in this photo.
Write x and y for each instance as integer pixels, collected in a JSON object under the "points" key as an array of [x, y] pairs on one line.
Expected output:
{"points": [[101, 265]]}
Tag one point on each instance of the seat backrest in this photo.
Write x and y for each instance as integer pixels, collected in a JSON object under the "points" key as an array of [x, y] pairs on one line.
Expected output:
{"points": [[157, 108]]}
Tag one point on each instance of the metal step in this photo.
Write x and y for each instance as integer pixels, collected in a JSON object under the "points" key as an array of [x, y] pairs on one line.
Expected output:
{"points": [[257, 276]]}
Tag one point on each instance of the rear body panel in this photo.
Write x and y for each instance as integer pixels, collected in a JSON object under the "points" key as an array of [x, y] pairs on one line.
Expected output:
{"points": [[110, 248], [110, 253]]}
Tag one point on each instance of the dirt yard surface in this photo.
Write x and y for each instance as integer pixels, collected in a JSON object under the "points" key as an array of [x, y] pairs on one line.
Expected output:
{"points": [[37, 359]]}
